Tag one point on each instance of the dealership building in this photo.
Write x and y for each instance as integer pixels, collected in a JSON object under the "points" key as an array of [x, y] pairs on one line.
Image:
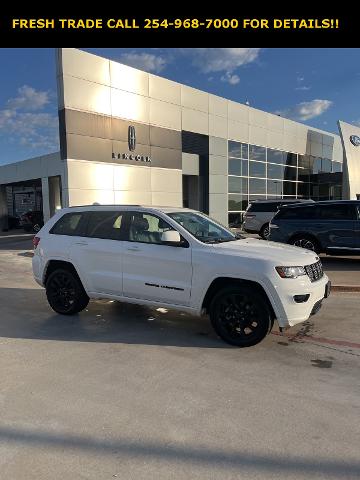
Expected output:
{"points": [[131, 137]]}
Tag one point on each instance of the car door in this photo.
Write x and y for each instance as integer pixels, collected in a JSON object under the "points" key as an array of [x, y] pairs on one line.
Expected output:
{"points": [[152, 270], [337, 224], [98, 254]]}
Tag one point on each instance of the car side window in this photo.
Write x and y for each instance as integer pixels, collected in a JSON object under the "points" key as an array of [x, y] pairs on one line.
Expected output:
{"points": [[337, 212], [105, 224], [147, 228], [68, 224]]}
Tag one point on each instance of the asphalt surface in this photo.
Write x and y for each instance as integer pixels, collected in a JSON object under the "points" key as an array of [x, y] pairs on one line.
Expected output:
{"points": [[136, 393]]}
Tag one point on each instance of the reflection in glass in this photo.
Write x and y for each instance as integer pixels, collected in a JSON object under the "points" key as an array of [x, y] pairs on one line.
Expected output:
{"points": [[275, 156], [238, 185], [238, 150], [336, 167], [291, 159], [289, 188], [237, 202], [290, 173], [275, 171], [304, 190], [257, 169], [238, 167], [315, 163], [274, 187], [326, 165], [257, 186], [257, 153]]}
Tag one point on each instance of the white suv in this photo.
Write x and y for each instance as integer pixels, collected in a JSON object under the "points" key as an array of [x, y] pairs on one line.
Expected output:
{"points": [[179, 259]]}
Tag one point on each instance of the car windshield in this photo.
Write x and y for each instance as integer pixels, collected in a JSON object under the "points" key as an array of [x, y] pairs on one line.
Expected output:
{"points": [[203, 228]]}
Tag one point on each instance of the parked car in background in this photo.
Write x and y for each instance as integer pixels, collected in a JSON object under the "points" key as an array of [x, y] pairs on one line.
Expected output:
{"points": [[180, 259], [32, 221], [259, 213], [332, 227]]}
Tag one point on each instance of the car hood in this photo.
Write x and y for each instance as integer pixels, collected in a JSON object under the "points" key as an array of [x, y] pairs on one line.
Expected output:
{"points": [[280, 253]]}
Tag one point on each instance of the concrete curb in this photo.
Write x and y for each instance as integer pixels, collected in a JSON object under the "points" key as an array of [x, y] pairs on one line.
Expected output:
{"points": [[345, 288]]}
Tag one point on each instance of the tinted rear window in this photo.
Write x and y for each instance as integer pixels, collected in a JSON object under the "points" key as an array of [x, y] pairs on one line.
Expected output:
{"points": [[297, 213], [68, 224], [337, 212], [319, 212], [105, 224]]}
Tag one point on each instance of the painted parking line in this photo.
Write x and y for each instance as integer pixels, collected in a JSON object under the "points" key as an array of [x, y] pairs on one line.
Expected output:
{"points": [[310, 338]]}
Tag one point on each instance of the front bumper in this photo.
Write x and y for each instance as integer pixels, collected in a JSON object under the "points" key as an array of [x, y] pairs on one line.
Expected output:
{"points": [[288, 311]]}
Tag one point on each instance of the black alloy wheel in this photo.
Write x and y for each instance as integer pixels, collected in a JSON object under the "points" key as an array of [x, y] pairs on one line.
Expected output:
{"points": [[65, 293], [241, 315], [306, 242], [265, 231]]}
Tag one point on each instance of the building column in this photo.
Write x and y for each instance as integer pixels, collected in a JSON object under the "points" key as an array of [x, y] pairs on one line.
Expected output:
{"points": [[4, 223], [45, 198]]}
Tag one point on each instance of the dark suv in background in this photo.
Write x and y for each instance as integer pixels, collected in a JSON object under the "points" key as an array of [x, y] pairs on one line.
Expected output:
{"points": [[331, 227]]}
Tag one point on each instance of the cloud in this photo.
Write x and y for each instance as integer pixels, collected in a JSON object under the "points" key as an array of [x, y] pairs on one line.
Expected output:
{"points": [[28, 99], [230, 78], [22, 123], [306, 110], [144, 61], [303, 88], [356, 123], [221, 59]]}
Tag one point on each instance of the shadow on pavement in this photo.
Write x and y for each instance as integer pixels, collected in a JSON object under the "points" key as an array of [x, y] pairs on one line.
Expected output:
{"points": [[226, 459], [26, 314]]}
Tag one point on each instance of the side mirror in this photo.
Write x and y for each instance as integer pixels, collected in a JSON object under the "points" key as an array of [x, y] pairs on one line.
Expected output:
{"points": [[171, 238]]}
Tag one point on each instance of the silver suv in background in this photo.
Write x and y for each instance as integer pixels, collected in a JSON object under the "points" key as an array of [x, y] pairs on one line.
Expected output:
{"points": [[259, 213]]}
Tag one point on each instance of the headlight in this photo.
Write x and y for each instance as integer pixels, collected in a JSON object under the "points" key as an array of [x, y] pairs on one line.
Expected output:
{"points": [[290, 272]]}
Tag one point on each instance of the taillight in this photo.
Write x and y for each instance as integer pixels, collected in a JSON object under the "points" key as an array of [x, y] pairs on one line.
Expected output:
{"points": [[36, 241]]}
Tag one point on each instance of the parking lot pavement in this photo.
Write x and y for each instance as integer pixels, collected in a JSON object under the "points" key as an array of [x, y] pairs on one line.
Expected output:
{"points": [[136, 393]]}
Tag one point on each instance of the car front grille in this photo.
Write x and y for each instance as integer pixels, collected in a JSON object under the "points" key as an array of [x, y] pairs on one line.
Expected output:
{"points": [[314, 271]]}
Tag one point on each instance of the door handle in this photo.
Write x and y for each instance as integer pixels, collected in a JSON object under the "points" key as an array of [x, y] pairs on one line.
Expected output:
{"points": [[81, 243], [133, 249]]}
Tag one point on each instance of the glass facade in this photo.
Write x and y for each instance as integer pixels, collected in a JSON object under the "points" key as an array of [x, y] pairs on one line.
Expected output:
{"points": [[265, 173]]}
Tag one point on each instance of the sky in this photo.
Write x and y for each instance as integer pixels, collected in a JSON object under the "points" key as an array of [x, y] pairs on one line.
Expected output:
{"points": [[314, 86]]}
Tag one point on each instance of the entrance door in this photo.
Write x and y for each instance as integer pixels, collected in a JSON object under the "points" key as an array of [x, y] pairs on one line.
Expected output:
{"points": [[191, 191]]}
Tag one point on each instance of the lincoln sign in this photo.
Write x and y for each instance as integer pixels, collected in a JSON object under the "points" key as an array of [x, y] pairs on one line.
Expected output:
{"points": [[131, 156]]}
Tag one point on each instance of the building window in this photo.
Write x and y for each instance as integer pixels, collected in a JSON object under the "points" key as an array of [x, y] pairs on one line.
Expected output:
{"points": [[275, 156], [257, 172], [274, 187], [275, 171], [257, 169], [238, 167], [257, 153], [238, 150], [238, 203], [336, 167], [257, 186]]}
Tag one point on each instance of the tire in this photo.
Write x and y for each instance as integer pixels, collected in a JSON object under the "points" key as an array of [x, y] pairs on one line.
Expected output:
{"points": [[65, 293], [240, 315], [265, 231], [306, 241]]}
